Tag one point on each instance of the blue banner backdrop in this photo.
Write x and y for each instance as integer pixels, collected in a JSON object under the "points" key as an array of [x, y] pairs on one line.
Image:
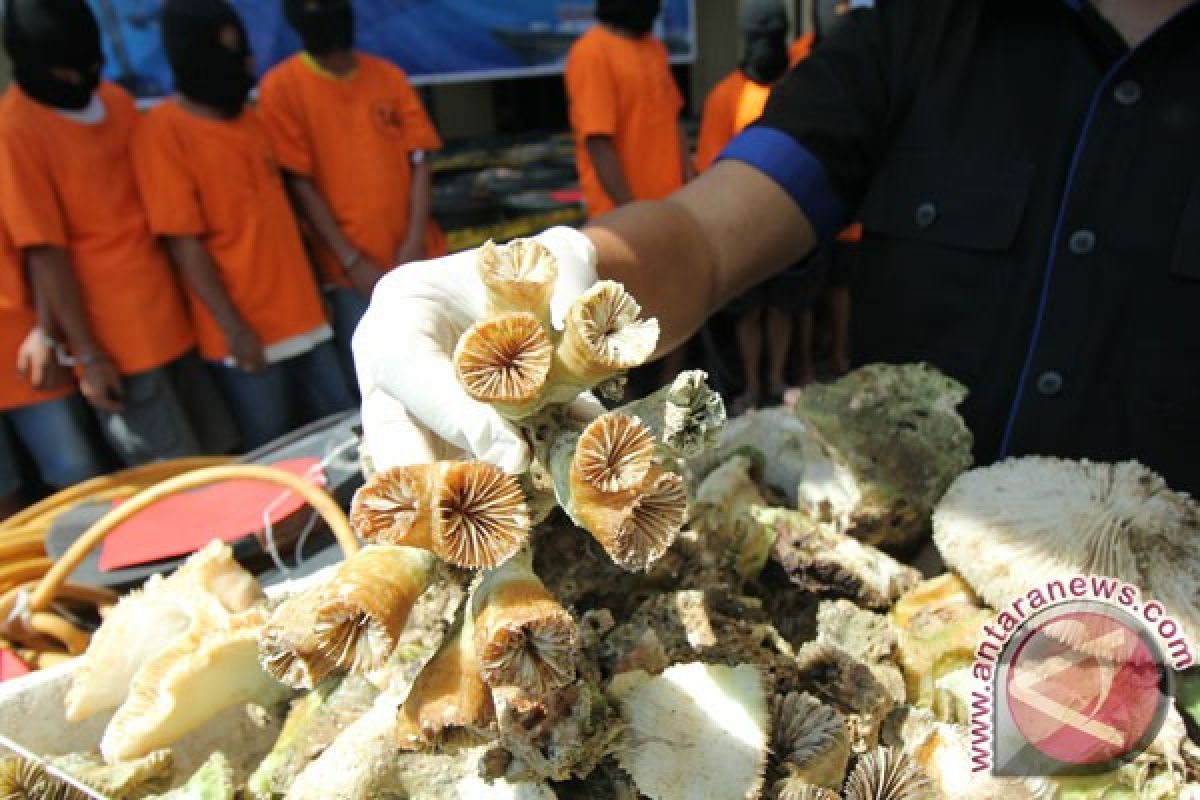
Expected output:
{"points": [[435, 41]]}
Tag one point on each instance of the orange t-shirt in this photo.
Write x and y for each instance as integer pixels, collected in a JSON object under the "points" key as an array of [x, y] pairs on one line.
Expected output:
{"points": [[71, 185], [352, 137], [623, 88], [732, 106], [218, 180], [16, 321], [800, 50]]}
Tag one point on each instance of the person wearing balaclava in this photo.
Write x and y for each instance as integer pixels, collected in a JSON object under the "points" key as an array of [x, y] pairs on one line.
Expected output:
{"points": [[624, 108], [212, 189], [784, 300], [109, 303], [354, 141]]}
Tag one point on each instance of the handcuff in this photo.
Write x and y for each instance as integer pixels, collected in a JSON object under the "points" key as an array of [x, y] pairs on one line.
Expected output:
{"points": [[64, 358]]}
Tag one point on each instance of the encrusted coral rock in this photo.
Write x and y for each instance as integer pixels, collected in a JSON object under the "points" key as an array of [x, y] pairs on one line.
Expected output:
{"points": [[723, 514], [841, 680], [127, 780], [564, 734], [896, 430], [829, 564], [939, 628]]}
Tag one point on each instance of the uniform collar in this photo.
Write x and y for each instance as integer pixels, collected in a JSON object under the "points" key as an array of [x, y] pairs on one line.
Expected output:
{"points": [[307, 59]]}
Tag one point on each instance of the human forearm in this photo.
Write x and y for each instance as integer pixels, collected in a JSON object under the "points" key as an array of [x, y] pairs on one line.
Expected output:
{"points": [[320, 217], [420, 199], [200, 275], [362, 272], [608, 169], [59, 301], [196, 267], [685, 257]]}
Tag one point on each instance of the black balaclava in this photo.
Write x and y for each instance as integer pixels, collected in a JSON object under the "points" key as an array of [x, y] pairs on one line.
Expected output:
{"points": [[632, 16], [829, 15], [325, 26], [209, 53], [41, 35], [764, 23]]}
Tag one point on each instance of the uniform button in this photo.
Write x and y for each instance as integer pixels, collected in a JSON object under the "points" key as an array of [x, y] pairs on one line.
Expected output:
{"points": [[926, 214], [1082, 242], [1127, 92], [1049, 383]]}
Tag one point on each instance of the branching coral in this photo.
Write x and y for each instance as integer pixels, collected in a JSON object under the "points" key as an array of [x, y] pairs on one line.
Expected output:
{"points": [[468, 513], [523, 637], [352, 622]]}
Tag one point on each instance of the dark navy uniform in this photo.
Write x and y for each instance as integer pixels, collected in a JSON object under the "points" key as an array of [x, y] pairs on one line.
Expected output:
{"points": [[1030, 189]]}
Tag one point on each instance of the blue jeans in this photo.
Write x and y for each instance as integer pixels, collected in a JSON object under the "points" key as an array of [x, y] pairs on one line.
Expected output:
{"points": [[57, 434], [285, 395], [346, 307], [172, 411]]}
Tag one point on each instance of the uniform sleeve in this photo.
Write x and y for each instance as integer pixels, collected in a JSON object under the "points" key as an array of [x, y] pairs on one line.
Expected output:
{"points": [[591, 93], [419, 133], [168, 191], [281, 115], [826, 125], [716, 127], [28, 197]]}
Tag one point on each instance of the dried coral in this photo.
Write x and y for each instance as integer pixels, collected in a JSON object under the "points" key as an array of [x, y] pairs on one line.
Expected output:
{"points": [[809, 740], [796, 789], [126, 780], [841, 680], [697, 730], [603, 336], [1059, 519], [519, 276], [367, 606], [722, 513], [563, 735], [187, 684], [505, 361], [687, 417], [469, 513], [205, 590], [614, 454], [350, 622], [820, 560], [636, 522], [22, 779], [449, 696], [288, 649], [887, 774], [524, 638]]}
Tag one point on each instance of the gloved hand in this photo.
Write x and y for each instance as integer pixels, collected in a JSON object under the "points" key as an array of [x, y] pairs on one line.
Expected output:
{"points": [[414, 409]]}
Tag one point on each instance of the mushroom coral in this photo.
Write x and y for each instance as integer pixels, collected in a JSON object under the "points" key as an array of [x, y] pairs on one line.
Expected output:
{"points": [[1025, 523]]}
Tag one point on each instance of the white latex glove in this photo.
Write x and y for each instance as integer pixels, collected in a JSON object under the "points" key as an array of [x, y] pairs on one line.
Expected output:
{"points": [[414, 410]]}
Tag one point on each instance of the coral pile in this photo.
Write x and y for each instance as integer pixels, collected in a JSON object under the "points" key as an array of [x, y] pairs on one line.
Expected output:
{"points": [[662, 606]]}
